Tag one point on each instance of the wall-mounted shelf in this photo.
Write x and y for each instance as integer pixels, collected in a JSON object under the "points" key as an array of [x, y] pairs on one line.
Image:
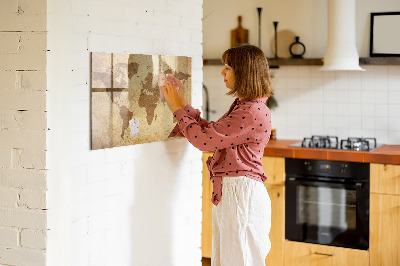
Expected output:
{"points": [[273, 63], [380, 61]]}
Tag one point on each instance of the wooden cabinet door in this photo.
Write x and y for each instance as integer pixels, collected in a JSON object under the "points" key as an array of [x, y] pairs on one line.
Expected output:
{"points": [[385, 178], [384, 236], [274, 168], [277, 233], [206, 226], [304, 254]]}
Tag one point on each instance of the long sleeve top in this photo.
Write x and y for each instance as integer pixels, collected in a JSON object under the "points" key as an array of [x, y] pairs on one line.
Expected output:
{"points": [[238, 139]]}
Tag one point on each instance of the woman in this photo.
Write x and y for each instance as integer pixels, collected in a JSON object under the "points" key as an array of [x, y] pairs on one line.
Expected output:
{"points": [[242, 208]]}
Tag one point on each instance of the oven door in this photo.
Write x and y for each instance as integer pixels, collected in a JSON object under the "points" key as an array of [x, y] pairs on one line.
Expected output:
{"points": [[327, 213]]}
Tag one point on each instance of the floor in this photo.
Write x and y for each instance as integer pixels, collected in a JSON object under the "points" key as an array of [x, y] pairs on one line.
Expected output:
{"points": [[206, 261]]}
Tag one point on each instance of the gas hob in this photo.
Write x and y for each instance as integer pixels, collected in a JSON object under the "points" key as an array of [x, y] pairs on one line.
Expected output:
{"points": [[332, 142]]}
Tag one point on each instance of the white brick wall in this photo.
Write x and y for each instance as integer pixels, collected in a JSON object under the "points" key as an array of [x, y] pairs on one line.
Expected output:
{"points": [[23, 132], [134, 205]]}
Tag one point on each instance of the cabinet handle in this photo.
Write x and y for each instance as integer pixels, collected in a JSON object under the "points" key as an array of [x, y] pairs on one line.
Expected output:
{"points": [[324, 254]]}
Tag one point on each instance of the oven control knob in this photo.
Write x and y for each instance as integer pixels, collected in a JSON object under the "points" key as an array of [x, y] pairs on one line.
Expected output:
{"points": [[343, 168], [308, 166]]}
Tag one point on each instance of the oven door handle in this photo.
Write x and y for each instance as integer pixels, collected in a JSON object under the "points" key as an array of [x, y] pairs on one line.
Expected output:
{"points": [[357, 185]]}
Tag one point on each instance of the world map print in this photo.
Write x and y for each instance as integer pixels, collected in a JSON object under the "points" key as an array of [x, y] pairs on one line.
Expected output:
{"points": [[127, 105]]}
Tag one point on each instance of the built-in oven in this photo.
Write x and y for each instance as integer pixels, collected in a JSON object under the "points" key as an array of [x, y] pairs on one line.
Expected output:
{"points": [[327, 202]]}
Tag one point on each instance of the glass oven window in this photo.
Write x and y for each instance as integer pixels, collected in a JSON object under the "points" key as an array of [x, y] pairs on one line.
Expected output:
{"points": [[326, 207]]}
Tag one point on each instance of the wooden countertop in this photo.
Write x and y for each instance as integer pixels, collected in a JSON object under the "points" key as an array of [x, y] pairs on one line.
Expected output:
{"points": [[389, 154]]}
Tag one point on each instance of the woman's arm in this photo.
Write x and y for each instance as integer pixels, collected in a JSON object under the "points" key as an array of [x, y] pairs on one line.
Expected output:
{"points": [[174, 96], [239, 127]]}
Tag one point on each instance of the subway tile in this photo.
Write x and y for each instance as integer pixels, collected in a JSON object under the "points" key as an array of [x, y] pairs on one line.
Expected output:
{"points": [[304, 72], [292, 82], [367, 96], [315, 72], [367, 133], [328, 74], [394, 137], [291, 71], [329, 122], [380, 71], [394, 123], [354, 81], [381, 97], [329, 94], [329, 109], [355, 132], [367, 110], [342, 122], [317, 131], [394, 71], [342, 96], [381, 123], [355, 122], [342, 84], [317, 107], [317, 120], [316, 83], [342, 109], [394, 110], [382, 136], [367, 82], [394, 97], [367, 122], [303, 82], [381, 84], [355, 96], [381, 110], [355, 109]]}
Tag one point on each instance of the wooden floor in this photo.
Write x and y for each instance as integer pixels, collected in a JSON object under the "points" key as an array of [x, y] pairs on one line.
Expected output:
{"points": [[206, 261]]}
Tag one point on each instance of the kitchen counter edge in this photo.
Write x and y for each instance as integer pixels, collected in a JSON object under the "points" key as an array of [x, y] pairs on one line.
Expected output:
{"points": [[386, 154]]}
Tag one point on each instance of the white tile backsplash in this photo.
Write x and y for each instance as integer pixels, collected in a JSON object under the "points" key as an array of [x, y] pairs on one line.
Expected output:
{"points": [[343, 103]]}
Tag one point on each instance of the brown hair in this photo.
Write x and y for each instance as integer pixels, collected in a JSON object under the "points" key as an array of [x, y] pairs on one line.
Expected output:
{"points": [[250, 66]]}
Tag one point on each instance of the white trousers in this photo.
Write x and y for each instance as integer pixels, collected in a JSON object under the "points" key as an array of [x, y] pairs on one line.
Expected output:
{"points": [[241, 223]]}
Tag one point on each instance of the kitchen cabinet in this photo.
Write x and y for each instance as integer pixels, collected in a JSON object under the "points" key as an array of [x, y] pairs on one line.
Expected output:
{"points": [[385, 215], [274, 168], [385, 178], [305, 254], [206, 225]]}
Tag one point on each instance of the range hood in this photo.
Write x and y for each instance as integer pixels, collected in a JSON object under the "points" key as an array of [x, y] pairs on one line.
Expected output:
{"points": [[341, 51]]}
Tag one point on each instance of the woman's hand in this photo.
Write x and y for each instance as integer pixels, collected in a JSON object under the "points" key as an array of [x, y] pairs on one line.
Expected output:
{"points": [[172, 95], [181, 90]]}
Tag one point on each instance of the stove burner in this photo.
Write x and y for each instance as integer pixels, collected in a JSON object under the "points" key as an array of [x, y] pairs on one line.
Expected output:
{"points": [[328, 142], [332, 142], [358, 144]]}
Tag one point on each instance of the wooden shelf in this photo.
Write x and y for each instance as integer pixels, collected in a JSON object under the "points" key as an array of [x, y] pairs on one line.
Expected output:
{"points": [[380, 61], [274, 63]]}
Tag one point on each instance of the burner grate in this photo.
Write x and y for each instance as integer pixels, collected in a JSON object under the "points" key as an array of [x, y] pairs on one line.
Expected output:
{"points": [[358, 144], [327, 142]]}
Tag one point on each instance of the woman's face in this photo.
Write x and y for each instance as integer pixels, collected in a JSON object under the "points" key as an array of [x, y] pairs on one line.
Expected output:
{"points": [[229, 76]]}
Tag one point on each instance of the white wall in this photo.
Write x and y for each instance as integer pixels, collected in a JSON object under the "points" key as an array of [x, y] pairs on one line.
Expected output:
{"points": [[134, 205], [311, 102], [306, 19], [23, 133]]}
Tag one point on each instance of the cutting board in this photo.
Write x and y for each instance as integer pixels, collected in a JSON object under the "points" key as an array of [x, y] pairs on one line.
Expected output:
{"points": [[239, 35]]}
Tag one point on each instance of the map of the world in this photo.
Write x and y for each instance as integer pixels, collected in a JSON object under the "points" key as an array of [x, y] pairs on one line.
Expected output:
{"points": [[127, 105]]}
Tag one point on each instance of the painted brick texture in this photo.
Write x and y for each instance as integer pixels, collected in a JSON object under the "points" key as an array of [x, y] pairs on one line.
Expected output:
{"points": [[134, 205], [23, 132]]}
